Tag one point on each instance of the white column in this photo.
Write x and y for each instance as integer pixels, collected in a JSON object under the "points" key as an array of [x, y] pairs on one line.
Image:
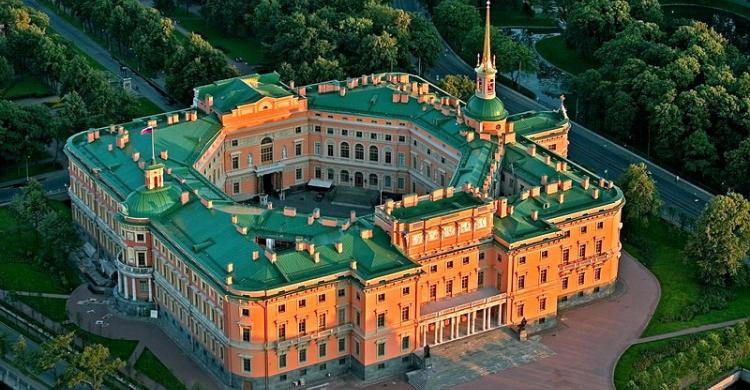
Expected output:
{"points": [[470, 327], [486, 318], [119, 282], [499, 314], [150, 293], [435, 336], [133, 285], [125, 284], [424, 335], [453, 332], [440, 332]]}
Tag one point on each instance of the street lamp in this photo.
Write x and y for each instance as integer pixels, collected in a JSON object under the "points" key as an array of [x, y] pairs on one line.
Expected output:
{"points": [[27, 168]]}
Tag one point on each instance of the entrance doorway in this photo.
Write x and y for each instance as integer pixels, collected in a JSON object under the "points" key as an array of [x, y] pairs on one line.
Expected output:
{"points": [[359, 180], [269, 183]]}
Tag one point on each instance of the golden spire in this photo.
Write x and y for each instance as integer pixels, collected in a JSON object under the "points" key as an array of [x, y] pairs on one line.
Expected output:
{"points": [[486, 59]]}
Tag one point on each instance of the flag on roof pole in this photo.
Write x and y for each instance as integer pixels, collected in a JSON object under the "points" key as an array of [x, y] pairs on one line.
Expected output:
{"points": [[150, 130]]}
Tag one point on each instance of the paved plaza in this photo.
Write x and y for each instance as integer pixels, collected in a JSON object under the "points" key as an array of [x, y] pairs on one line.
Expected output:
{"points": [[338, 202]]}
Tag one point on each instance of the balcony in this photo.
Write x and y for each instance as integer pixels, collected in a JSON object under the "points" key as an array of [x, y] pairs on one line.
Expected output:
{"points": [[479, 298], [285, 344], [133, 270], [586, 261]]}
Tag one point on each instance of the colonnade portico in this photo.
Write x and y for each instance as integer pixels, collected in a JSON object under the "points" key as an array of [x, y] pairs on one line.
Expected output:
{"points": [[462, 320]]}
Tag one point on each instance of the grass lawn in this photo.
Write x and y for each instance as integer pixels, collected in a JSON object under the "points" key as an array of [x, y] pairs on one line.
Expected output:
{"points": [[152, 367], [553, 49], [626, 364], [508, 17], [679, 282], [249, 48], [52, 308], [145, 107], [26, 86], [118, 348], [740, 7]]}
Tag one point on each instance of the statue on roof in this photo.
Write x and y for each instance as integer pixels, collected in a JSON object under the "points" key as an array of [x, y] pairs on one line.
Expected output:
{"points": [[562, 109]]}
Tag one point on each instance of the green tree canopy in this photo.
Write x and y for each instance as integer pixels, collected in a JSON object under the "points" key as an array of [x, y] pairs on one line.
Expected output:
{"points": [[642, 200], [460, 86], [91, 366], [593, 22], [721, 240]]}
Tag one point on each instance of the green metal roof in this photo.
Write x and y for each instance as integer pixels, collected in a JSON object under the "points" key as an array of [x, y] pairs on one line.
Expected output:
{"points": [[485, 109], [429, 209], [231, 93], [532, 122], [144, 203]]}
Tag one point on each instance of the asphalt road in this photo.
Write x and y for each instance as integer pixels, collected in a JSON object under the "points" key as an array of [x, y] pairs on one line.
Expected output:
{"points": [[587, 148], [55, 184], [101, 55]]}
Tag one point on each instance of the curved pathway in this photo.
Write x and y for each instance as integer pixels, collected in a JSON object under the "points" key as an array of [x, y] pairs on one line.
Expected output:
{"points": [[588, 340]]}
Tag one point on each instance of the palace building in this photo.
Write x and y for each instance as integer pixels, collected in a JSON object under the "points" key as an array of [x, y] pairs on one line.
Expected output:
{"points": [[493, 224]]}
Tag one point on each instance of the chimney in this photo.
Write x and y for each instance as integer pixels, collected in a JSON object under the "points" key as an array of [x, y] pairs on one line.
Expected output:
{"points": [[532, 150], [96, 134], [230, 267], [271, 256], [209, 103], [90, 137], [109, 147], [365, 234], [269, 206], [136, 156], [595, 193], [184, 197], [152, 123], [524, 195], [501, 206], [316, 213], [534, 215], [311, 248], [141, 164], [339, 247], [585, 183], [234, 219], [164, 155], [561, 198], [228, 280], [602, 182], [316, 257], [353, 265], [291, 84], [544, 179], [310, 219], [290, 211], [342, 92], [396, 98], [256, 255], [352, 216]]}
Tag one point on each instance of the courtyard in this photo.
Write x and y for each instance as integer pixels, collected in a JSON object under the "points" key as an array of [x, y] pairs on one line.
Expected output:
{"points": [[337, 202]]}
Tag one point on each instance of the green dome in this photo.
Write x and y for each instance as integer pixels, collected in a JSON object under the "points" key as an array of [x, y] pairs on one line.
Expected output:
{"points": [[144, 203], [485, 109]]}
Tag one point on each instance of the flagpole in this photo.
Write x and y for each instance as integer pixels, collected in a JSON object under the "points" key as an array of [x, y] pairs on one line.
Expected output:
{"points": [[153, 153]]}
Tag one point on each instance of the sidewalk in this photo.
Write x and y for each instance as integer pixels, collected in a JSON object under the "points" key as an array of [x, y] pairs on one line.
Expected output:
{"points": [[683, 332]]}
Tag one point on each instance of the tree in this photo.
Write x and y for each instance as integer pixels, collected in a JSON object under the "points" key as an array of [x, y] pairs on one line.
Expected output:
{"points": [[91, 366], [453, 19], [737, 168], [21, 354], [54, 350], [59, 238], [165, 6], [196, 63], [593, 22], [424, 41], [642, 199], [460, 86], [378, 53], [721, 240], [6, 71], [31, 205], [699, 153], [646, 10]]}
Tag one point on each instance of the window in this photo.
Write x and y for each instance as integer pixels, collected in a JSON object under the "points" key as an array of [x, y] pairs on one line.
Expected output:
{"points": [[401, 160], [581, 277], [317, 148], [282, 308], [582, 250], [329, 150], [448, 287], [359, 152], [318, 173], [317, 128], [235, 143], [374, 153], [387, 157], [282, 331], [342, 344], [584, 229], [298, 173], [357, 318], [405, 342], [521, 282], [141, 259], [381, 348], [374, 136], [598, 247], [341, 315], [302, 355], [341, 292], [358, 134], [302, 326], [266, 150], [329, 173], [298, 149], [400, 183], [387, 181], [297, 130], [344, 150], [236, 188], [373, 179], [449, 264], [329, 130], [302, 303], [140, 237], [565, 283], [388, 137], [381, 297], [322, 349], [344, 132], [480, 279], [565, 255], [282, 360], [433, 292], [522, 260], [246, 312], [246, 365], [519, 310], [465, 260], [597, 274], [381, 320], [405, 313], [401, 138], [465, 282], [545, 254], [543, 276], [405, 291], [542, 304], [599, 225], [321, 321], [433, 268], [236, 162], [344, 177], [321, 298]]}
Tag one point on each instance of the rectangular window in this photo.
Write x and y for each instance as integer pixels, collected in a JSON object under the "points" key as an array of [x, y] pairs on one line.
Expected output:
{"points": [[357, 318], [317, 148], [381, 349], [282, 308], [373, 135], [599, 245], [401, 138], [141, 259], [321, 321], [322, 349], [522, 260], [282, 360], [235, 143], [401, 160], [329, 130], [465, 260], [542, 304], [545, 254], [282, 332], [584, 229], [465, 282], [342, 344], [298, 173], [345, 132], [356, 348], [388, 137], [582, 251], [235, 162], [381, 297], [246, 335], [318, 173], [381, 320], [317, 128], [329, 150], [341, 315], [302, 303], [448, 287], [302, 326], [600, 225], [341, 292], [543, 276], [565, 256], [480, 279], [405, 342], [405, 313], [298, 149], [302, 355], [400, 183], [236, 188], [140, 237], [246, 365], [565, 283], [359, 134], [597, 274], [449, 264], [246, 312], [521, 282], [581, 277], [405, 291], [519, 310], [321, 298], [387, 157], [433, 292]]}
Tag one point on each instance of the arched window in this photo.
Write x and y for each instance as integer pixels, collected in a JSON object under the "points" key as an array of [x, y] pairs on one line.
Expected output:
{"points": [[344, 177], [359, 152], [266, 150], [373, 180], [344, 152], [374, 153]]}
